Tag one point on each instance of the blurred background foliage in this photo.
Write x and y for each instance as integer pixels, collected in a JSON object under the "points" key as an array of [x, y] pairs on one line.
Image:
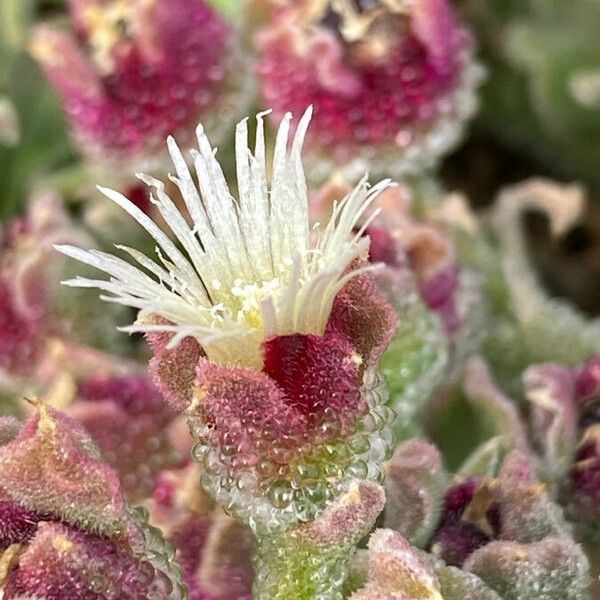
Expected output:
{"points": [[542, 96], [540, 104], [43, 145], [540, 115]]}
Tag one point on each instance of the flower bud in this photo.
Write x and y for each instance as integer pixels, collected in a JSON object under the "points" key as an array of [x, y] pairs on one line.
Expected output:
{"points": [[397, 571], [65, 529], [415, 484], [135, 72], [392, 83], [551, 568]]}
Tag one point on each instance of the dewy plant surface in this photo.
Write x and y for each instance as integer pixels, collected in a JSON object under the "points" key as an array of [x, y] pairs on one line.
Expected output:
{"points": [[337, 386]]}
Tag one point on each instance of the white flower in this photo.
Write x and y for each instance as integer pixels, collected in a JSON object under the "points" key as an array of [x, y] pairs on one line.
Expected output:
{"points": [[247, 268]]}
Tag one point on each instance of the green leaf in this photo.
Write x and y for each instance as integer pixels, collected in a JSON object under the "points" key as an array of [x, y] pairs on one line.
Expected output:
{"points": [[44, 145]]}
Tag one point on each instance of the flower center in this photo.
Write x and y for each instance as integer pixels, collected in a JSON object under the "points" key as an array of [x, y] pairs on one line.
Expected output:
{"points": [[353, 19], [109, 25], [250, 295]]}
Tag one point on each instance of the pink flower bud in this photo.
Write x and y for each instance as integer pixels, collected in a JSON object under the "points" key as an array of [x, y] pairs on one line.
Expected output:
{"points": [[136, 72], [391, 83], [65, 529]]}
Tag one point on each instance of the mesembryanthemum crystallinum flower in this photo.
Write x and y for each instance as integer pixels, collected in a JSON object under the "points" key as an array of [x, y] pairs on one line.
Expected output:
{"points": [[392, 82], [135, 71], [65, 529], [267, 334]]}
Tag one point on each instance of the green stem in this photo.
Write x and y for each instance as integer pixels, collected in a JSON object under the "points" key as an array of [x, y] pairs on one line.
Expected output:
{"points": [[287, 565]]}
